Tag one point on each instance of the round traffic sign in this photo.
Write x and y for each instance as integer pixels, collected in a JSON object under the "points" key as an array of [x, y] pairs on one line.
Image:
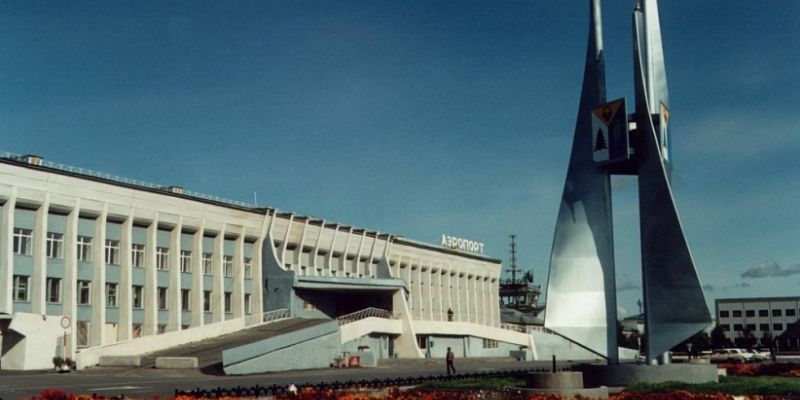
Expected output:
{"points": [[65, 322]]}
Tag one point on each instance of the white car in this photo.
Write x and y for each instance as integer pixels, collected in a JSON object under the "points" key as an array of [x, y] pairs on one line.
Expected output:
{"points": [[732, 356]]}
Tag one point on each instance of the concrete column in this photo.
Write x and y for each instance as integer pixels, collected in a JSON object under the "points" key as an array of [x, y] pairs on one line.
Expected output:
{"points": [[125, 294], [357, 261], [473, 295], [39, 278], [440, 294], [418, 290], [174, 288], [343, 260], [329, 259], [218, 289], [286, 241], [314, 253], [495, 300], [424, 295], [7, 252], [258, 263], [197, 276], [448, 287], [97, 338], [150, 301], [71, 276], [484, 301], [238, 276], [298, 252], [465, 299]]}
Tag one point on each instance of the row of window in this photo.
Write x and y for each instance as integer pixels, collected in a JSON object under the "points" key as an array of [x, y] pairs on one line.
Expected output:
{"points": [[53, 294], [789, 312], [23, 239], [752, 327]]}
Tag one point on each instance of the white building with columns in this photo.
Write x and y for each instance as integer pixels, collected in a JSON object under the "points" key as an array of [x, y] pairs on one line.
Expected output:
{"points": [[128, 266]]}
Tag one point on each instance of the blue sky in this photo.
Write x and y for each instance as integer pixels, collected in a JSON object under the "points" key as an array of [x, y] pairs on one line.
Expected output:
{"points": [[419, 118]]}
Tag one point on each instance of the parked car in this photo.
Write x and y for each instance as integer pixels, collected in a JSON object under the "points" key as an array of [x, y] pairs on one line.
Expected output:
{"points": [[732, 356]]}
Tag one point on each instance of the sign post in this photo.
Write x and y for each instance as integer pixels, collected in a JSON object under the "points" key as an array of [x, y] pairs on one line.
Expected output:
{"points": [[65, 323]]}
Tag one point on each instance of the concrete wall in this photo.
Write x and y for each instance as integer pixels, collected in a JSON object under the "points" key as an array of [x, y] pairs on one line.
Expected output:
{"points": [[31, 342], [148, 344], [312, 347]]}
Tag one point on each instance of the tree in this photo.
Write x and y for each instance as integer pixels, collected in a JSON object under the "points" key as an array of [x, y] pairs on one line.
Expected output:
{"points": [[767, 340], [600, 142], [718, 339]]}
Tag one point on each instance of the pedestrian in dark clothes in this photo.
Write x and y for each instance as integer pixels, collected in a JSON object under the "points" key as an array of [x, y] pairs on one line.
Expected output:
{"points": [[449, 358]]}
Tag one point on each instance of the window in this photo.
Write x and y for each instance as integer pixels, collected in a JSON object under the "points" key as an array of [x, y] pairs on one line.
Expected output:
{"points": [[725, 327], [23, 239], [247, 303], [763, 313], [207, 300], [111, 294], [186, 261], [112, 252], [737, 327], [162, 298], [83, 333], [21, 285], [137, 255], [84, 292], [84, 245], [53, 290], [490, 344], [763, 327], [54, 243], [138, 296], [186, 300], [777, 327], [248, 267], [227, 266], [751, 327], [724, 314], [777, 313], [750, 313], [207, 261], [790, 312], [162, 258], [227, 302], [737, 313]]}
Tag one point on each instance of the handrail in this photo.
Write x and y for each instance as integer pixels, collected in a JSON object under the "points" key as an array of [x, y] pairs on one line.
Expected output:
{"points": [[365, 313], [275, 315]]}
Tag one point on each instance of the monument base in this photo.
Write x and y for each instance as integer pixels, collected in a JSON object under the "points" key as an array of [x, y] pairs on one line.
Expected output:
{"points": [[567, 384], [625, 374]]}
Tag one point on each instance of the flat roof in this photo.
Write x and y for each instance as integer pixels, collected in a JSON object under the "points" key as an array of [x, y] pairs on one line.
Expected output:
{"points": [[83, 173], [756, 299]]}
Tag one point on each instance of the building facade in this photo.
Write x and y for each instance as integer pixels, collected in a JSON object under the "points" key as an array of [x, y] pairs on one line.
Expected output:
{"points": [[757, 316], [102, 260]]}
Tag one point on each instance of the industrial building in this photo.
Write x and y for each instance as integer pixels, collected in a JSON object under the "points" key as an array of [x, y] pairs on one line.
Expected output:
{"points": [[94, 265]]}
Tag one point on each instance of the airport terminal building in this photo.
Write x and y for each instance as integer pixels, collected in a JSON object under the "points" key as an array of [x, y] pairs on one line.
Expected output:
{"points": [[93, 265]]}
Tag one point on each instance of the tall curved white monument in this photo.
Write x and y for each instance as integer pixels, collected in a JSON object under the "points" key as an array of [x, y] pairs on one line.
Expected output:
{"points": [[581, 290]]}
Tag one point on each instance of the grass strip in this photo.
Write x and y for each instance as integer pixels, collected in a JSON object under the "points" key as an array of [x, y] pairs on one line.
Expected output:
{"points": [[734, 385]]}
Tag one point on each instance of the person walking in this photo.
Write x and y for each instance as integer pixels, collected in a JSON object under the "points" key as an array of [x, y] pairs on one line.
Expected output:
{"points": [[450, 356]]}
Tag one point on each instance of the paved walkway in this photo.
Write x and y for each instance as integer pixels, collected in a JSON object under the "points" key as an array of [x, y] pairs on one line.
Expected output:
{"points": [[144, 382], [209, 351]]}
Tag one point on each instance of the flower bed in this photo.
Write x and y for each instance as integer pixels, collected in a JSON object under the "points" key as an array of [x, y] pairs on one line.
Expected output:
{"points": [[775, 369]]}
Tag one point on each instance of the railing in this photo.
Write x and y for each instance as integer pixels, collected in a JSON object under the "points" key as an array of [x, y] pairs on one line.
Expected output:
{"points": [[88, 172], [525, 328], [275, 315], [365, 313]]}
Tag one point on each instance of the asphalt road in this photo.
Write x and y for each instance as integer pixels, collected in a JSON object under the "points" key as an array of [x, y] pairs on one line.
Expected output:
{"points": [[146, 382]]}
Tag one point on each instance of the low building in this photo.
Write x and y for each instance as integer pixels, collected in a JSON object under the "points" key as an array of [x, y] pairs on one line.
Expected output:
{"points": [[749, 319], [115, 260]]}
